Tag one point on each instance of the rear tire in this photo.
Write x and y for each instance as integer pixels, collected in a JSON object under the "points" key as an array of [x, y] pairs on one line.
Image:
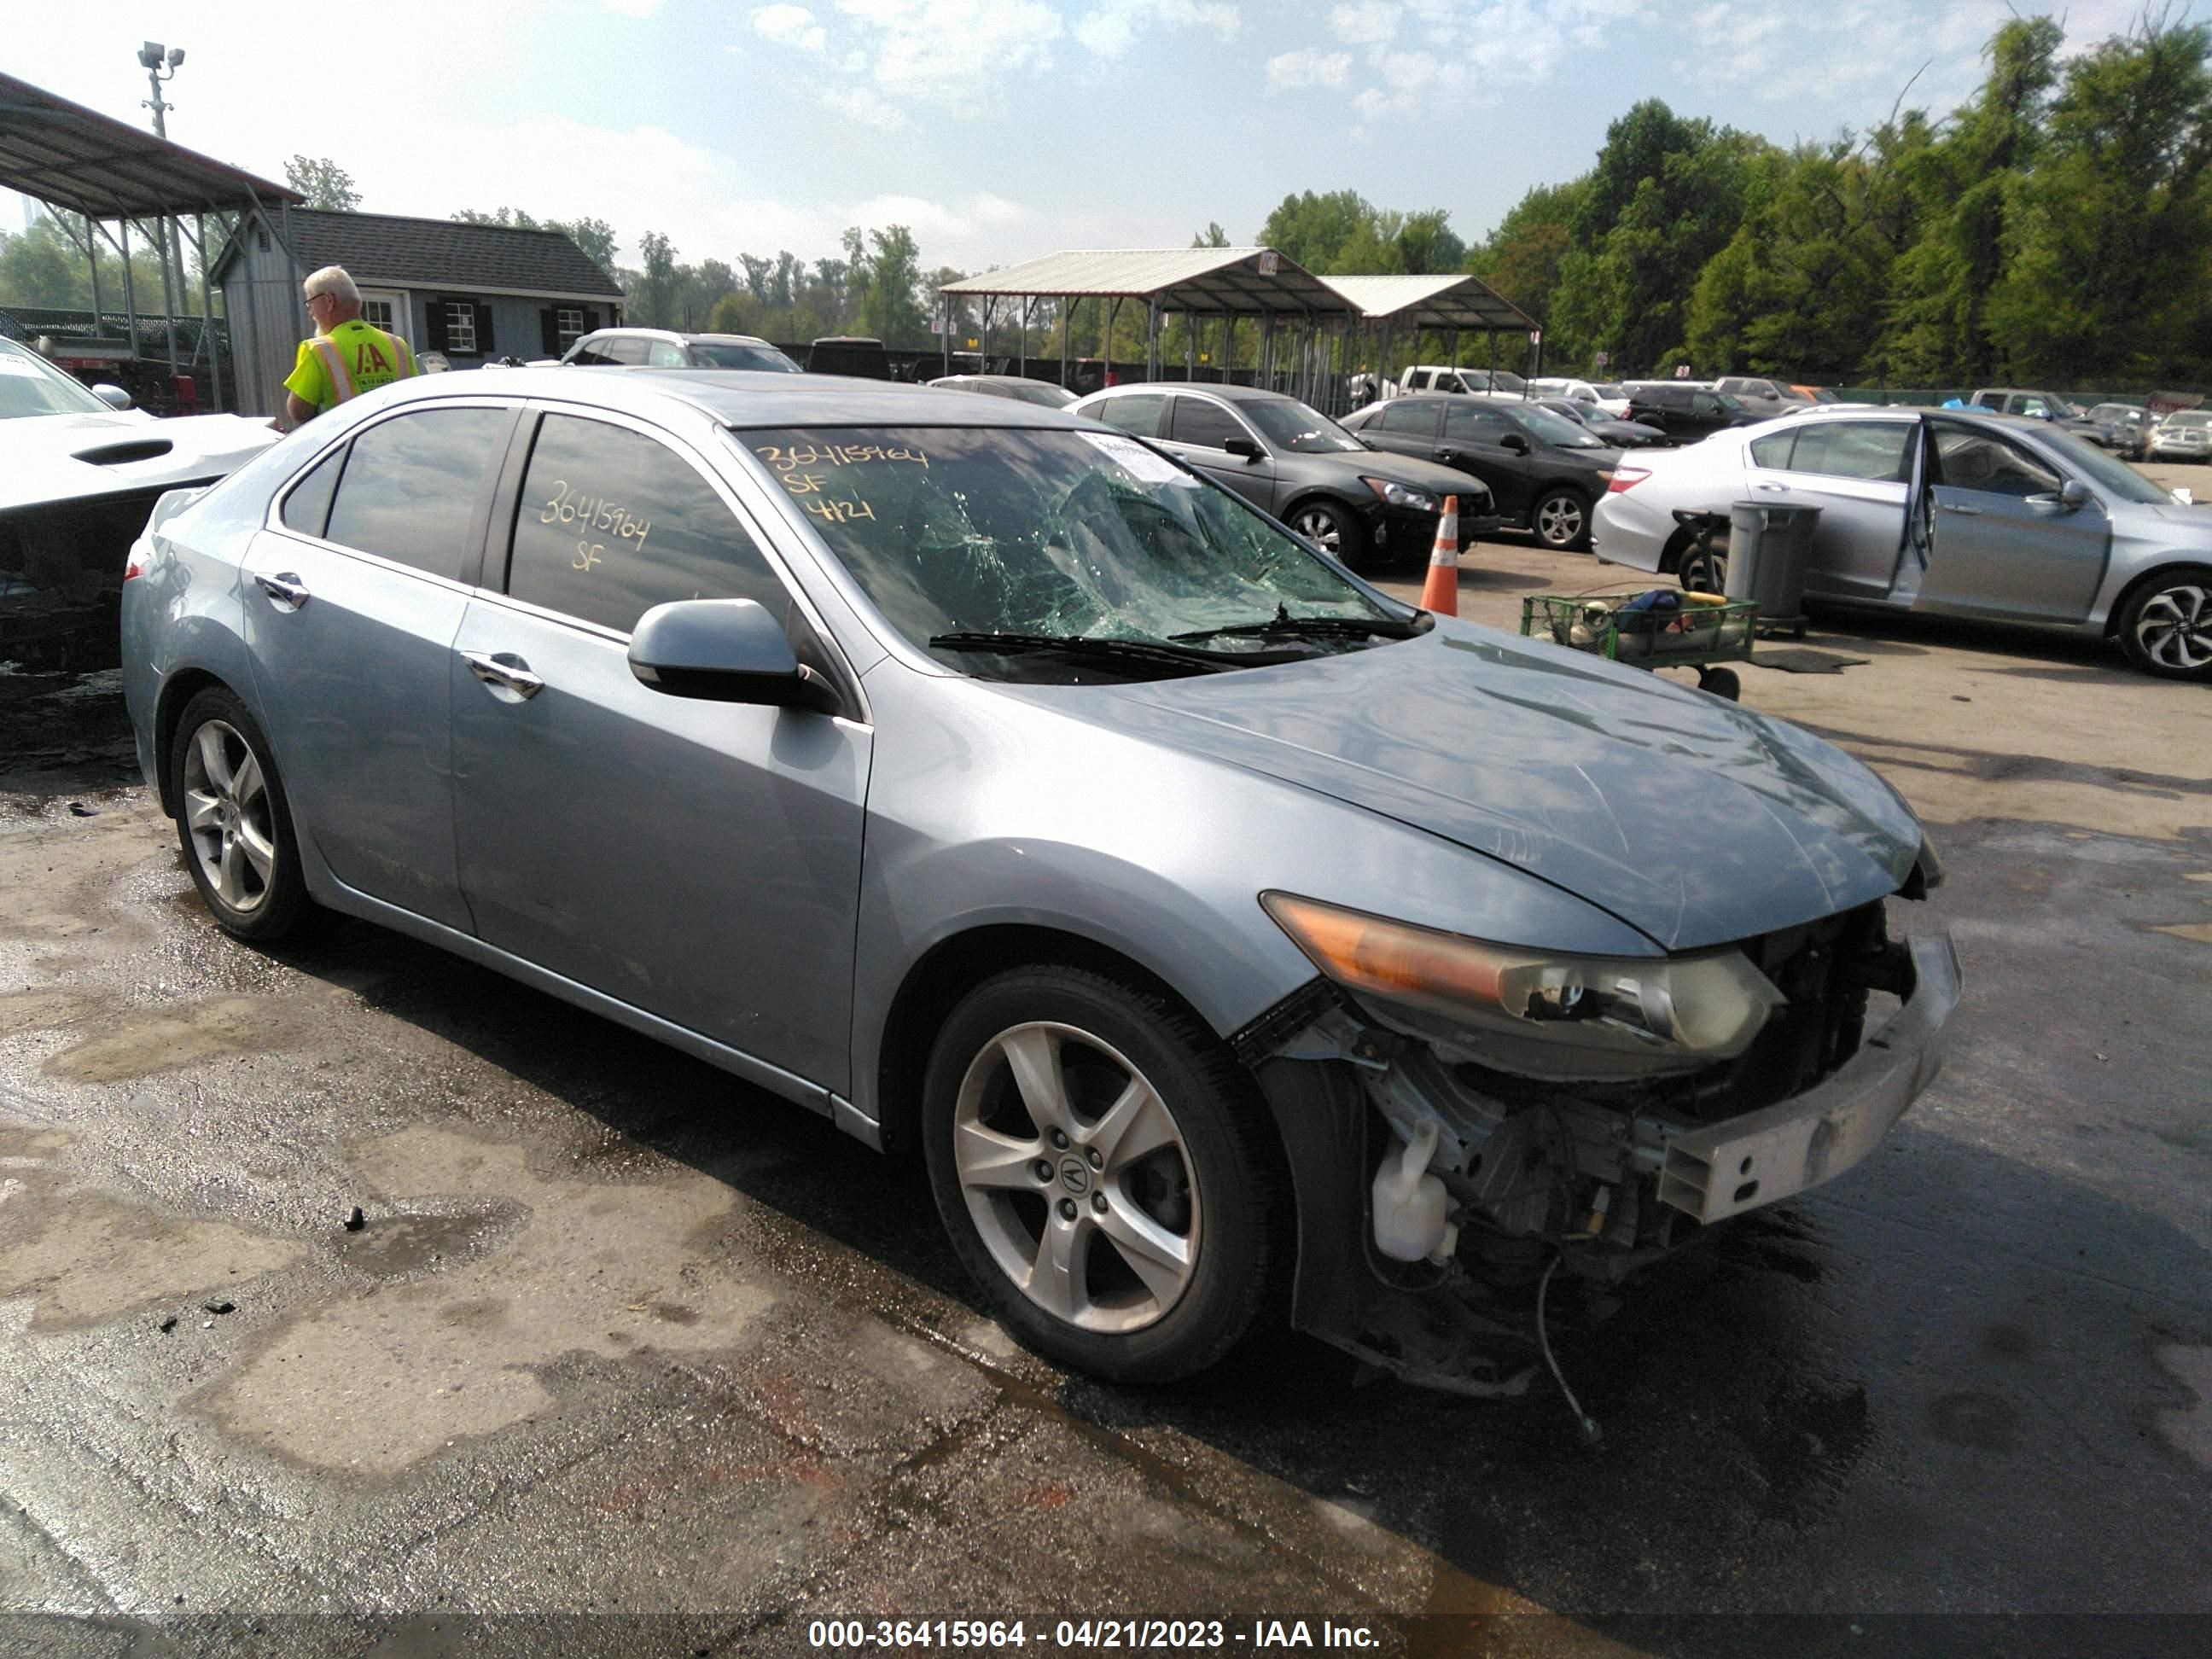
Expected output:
{"points": [[1561, 520], [2166, 626], [1704, 569], [1106, 1172], [233, 821]]}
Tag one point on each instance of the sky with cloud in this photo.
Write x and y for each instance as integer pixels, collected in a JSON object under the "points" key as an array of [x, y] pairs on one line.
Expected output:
{"points": [[996, 128]]}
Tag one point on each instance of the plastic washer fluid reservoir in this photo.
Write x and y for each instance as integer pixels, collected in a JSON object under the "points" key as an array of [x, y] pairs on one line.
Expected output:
{"points": [[1409, 1204]]}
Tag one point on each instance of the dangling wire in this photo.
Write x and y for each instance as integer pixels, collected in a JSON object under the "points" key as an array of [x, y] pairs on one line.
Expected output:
{"points": [[1590, 1433]]}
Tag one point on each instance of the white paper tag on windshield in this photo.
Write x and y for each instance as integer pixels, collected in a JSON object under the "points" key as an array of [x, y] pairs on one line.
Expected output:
{"points": [[1133, 458]]}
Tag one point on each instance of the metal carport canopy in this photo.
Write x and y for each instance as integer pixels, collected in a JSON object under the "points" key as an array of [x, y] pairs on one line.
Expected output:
{"points": [[1208, 282], [1431, 303], [81, 162]]}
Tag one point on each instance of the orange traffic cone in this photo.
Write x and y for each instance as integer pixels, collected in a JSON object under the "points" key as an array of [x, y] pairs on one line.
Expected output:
{"points": [[1442, 593]]}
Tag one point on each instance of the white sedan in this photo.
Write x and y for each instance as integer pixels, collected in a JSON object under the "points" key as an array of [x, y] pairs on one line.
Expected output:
{"points": [[78, 476]]}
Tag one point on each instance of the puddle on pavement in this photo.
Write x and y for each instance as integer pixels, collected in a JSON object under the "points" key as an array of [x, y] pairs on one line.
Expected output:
{"points": [[48, 866], [376, 1380], [41, 1011], [169, 1038], [83, 1257], [408, 1246]]}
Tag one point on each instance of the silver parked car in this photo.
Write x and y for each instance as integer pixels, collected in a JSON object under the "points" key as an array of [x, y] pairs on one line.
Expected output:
{"points": [[1955, 513], [989, 782]]}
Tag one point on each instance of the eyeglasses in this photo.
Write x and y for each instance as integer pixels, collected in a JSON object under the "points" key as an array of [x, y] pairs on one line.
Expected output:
{"points": [[312, 298]]}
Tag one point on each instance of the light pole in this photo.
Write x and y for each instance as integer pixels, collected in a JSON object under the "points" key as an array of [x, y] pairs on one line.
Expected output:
{"points": [[154, 56]]}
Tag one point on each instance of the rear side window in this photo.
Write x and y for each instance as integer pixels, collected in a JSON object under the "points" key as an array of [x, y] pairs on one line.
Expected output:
{"points": [[1773, 450], [1855, 449], [1206, 424], [624, 349], [308, 508], [612, 523], [412, 486], [1139, 414], [1418, 419]]}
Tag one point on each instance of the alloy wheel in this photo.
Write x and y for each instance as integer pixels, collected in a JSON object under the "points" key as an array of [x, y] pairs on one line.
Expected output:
{"points": [[1077, 1177], [1560, 521], [2174, 627], [227, 816], [1320, 529]]}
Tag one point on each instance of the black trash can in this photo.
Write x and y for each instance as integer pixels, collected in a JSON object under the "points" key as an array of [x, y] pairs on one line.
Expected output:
{"points": [[1769, 548]]}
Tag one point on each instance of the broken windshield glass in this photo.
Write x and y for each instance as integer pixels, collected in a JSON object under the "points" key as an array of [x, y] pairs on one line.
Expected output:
{"points": [[965, 530]]}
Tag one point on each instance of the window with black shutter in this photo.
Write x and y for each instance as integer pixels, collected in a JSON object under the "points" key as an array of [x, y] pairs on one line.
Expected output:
{"points": [[484, 342]]}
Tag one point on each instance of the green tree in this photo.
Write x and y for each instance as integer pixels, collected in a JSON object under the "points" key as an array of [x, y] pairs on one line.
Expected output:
{"points": [[1521, 258], [1314, 230], [324, 183], [653, 298], [44, 265], [891, 308], [1211, 236]]}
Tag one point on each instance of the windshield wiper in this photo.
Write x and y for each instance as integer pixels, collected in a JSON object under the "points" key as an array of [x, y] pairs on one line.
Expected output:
{"points": [[1090, 644], [1283, 625]]}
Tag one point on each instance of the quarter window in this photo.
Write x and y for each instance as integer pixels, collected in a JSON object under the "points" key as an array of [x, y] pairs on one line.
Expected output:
{"points": [[1875, 450], [612, 523], [1207, 425], [461, 328], [1138, 414], [1403, 416], [412, 486], [308, 508], [1773, 451]]}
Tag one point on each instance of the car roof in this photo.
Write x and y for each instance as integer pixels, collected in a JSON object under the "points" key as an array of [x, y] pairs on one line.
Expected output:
{"points": [[744, 398], [1229, 394], [671, 334], [989, 379]]}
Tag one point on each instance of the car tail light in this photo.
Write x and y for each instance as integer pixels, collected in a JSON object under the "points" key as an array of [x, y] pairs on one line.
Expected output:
{"points": [[1626, 477]]}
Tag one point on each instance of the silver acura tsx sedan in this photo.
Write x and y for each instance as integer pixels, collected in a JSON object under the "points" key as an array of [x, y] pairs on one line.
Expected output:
{"points": [[1231, 941], [1946, 513]]}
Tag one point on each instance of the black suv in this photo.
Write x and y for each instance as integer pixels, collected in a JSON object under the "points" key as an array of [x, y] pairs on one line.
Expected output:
{"points": [[1543, 471], [1294, 462], [1686, 413], [849, 354]]}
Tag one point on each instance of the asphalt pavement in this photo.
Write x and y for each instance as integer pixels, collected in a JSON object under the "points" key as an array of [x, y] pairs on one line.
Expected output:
{"points": [[624, 1355]]}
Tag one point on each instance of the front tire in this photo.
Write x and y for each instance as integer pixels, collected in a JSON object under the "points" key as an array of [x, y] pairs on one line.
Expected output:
{"points": [[1105, 1171], [1335, 531], [1561, 520], [234, 823], [2166, 627]]}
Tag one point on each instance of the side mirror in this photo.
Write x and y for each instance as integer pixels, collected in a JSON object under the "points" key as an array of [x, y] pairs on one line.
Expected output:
{"points": [[112, 395], [2072, 494], [2184, 497], [1244, 447], [1514, 441], [723, 651]]}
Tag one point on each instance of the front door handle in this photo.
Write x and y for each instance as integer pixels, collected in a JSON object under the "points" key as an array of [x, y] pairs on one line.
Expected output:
{"points": [[1954, 507], [287, 592], [503, 671], [1773, 488]]}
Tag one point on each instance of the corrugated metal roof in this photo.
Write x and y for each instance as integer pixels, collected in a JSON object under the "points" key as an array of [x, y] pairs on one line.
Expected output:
{"points": [[80, 161], [1240, 281], [1432, 302]]}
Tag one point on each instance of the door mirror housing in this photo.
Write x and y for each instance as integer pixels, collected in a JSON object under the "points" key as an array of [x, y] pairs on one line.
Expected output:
{"points": [[1244, 447], [723, 651], [2072, 494], [1514, 441], [112, 395]]}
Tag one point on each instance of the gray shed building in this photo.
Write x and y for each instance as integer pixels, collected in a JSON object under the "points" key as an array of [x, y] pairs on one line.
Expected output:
{"points": [[476, 293]]}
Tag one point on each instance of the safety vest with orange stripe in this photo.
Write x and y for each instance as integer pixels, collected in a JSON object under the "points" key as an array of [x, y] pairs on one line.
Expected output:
{"points": [[353, 358]]}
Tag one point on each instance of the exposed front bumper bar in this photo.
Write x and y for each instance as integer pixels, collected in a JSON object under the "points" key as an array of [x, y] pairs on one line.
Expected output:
{"points": [[1724, 1168]]}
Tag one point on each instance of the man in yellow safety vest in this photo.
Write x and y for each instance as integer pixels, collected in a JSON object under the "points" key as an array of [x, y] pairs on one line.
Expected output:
{"points": [[347, 356]]}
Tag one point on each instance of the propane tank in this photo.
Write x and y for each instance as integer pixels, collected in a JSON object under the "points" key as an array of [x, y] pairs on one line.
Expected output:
{"points": [[1409, 1204]]}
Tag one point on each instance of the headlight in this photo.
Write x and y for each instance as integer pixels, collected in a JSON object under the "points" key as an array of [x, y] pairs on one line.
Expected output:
{"points": [[1397, 494], [1690, 1009]]}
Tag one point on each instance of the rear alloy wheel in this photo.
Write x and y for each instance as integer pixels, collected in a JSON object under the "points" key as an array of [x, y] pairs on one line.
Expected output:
{"points": [[1561, 520], [2166, 627], [1104, 1172], [1703, 570], [233, 821], [1333, 531]]}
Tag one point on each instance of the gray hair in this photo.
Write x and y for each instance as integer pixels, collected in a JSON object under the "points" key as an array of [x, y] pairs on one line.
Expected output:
{"points": [[333, 280]]}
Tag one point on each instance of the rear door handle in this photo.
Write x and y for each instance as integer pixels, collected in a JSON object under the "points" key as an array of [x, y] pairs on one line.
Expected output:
{"points": [[285, 591], [1954, 507], [503, 671], [1773, 488]]}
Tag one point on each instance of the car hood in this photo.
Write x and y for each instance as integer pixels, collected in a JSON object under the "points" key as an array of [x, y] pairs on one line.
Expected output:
{"points": [[1694, 821], [2168, 517], [1408, 470], [46, 458]]}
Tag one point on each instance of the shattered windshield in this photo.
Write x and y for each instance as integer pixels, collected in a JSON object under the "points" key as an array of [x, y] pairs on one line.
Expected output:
{"points": [[960, 532]]}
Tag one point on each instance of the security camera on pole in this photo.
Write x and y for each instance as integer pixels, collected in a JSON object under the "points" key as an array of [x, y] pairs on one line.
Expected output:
{"points": [[152, 57]]}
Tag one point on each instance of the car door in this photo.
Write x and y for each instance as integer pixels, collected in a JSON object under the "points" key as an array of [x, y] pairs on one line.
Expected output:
{"points": [[1475, 440], [1405, 426], [2003, 543], [1196, 429], [1858, 474], [695, 859], [351, 607]]}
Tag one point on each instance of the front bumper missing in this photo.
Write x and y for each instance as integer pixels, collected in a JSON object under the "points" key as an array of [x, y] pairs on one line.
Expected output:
{"points": [[1724, 1168]]}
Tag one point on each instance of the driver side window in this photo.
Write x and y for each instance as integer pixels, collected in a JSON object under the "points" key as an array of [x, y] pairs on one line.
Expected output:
{"points": [[1993, 465]]}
